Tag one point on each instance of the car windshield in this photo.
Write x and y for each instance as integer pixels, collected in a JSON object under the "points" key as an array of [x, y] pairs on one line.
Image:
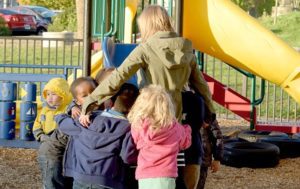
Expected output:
{"points": [[7, 12]]}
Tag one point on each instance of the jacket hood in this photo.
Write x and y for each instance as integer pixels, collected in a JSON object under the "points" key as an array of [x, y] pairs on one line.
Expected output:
{"points": [[61, 87], [156, 137], [176, 50]]}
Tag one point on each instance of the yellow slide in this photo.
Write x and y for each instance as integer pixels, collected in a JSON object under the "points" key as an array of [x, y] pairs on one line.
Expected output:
{"points": [[130, 11], [223, 30]]}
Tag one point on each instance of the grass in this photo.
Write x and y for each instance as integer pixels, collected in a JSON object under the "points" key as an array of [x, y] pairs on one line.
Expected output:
{"points": [[287, 27], [22, 53], [276, 106]]}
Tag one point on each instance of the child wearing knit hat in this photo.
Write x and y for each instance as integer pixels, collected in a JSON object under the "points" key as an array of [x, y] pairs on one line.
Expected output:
{"points": [[57, 96]]}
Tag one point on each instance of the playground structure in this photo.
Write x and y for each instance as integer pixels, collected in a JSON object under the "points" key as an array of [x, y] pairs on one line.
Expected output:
{"points": [[216, 27], [224, 28]]}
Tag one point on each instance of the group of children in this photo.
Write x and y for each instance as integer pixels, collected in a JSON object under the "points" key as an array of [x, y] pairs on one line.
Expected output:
{"points": [[132, 129], [112, 126]]}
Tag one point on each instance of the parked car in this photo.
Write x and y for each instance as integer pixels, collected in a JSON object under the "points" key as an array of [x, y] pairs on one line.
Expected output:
{"points": [[41, 26], [19, 23], [41, 22], [33, 11], [46, 13]]}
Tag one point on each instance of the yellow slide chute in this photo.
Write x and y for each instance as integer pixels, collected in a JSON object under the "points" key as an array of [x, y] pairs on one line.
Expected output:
{"points": [[223, 30], [130, 11]]}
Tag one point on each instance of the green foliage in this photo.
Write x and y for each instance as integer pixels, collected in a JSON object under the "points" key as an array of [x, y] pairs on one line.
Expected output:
{"points": [[244, 4], [256, 7], [4, 30], [52, 4], [65, 21], [264, 5], [286, 27]]}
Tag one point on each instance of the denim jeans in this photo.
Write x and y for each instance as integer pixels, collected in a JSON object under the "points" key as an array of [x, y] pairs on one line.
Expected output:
{"points": [[51, 173], [81, 185]]}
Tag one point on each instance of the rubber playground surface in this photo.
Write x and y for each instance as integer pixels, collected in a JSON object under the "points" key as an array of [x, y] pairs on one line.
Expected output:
{"points": [[19, 169]]}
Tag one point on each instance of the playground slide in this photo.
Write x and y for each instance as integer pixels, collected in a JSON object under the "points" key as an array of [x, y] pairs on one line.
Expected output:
{"points": [[223, 30], [96, 65], [97, 59], [130, 11]]}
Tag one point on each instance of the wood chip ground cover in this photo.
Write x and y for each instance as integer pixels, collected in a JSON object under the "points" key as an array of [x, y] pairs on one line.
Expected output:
{"points": [[19, 170]]}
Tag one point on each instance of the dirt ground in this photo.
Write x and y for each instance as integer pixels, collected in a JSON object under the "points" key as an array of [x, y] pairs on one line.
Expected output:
{"points": [[19, 170]]}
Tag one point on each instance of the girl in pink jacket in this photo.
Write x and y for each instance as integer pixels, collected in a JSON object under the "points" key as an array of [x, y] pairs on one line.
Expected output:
{"points": [[158, 137]]}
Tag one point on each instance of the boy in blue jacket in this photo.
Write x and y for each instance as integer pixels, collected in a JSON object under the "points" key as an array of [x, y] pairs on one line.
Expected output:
{"points": [[103, 149]]}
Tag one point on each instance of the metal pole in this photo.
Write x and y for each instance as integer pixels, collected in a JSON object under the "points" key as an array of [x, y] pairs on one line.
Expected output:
{"points": [[178, 16], [276, 12], [4, 3], [87, 35], [253, 94]]}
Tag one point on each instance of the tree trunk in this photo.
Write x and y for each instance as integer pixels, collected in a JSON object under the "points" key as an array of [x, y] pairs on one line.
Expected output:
{"points": [[80, 17]]}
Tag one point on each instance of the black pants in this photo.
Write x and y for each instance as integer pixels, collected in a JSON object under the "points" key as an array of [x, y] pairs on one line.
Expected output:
{"points": [[203, 176], [179, 180]]}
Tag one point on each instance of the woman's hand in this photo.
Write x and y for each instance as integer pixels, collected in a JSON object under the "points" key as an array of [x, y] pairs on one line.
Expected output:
{"points": [[84, 120]]}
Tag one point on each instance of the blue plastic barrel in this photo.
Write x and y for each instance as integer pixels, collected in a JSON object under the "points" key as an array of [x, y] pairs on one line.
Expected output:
{"points": [[7, 130], [28, 92], [26, 130], [28, 111], [8, 91], [7, 111]]}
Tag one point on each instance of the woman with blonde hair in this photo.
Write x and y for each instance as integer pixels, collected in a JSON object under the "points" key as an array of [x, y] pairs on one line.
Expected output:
{"points": [[158, 137], [163, 58]]}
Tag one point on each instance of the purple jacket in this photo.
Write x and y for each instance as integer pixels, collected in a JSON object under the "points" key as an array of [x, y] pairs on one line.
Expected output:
{"points": [[101, 151]]}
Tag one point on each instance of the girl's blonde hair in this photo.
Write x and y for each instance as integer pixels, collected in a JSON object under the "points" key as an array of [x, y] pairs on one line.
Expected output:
{"points": [[154, 18], [153, 104]]}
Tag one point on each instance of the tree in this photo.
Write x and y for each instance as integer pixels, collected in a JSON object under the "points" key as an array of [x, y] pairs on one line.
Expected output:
{"points": [[24, 2], [80, 17], [244, 4], [52, 4], [63, 21], [256, 7]]}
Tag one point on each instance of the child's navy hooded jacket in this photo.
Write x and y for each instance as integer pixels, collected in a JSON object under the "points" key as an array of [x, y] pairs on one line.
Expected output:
{"points": [[101, 150]]}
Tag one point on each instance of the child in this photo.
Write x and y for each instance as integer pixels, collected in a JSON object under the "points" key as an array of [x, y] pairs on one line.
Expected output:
{"points": [[158, 137], [213, 146], [103, 149], [80, 88], [163, 58], [50, 154], [193, 114]]}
